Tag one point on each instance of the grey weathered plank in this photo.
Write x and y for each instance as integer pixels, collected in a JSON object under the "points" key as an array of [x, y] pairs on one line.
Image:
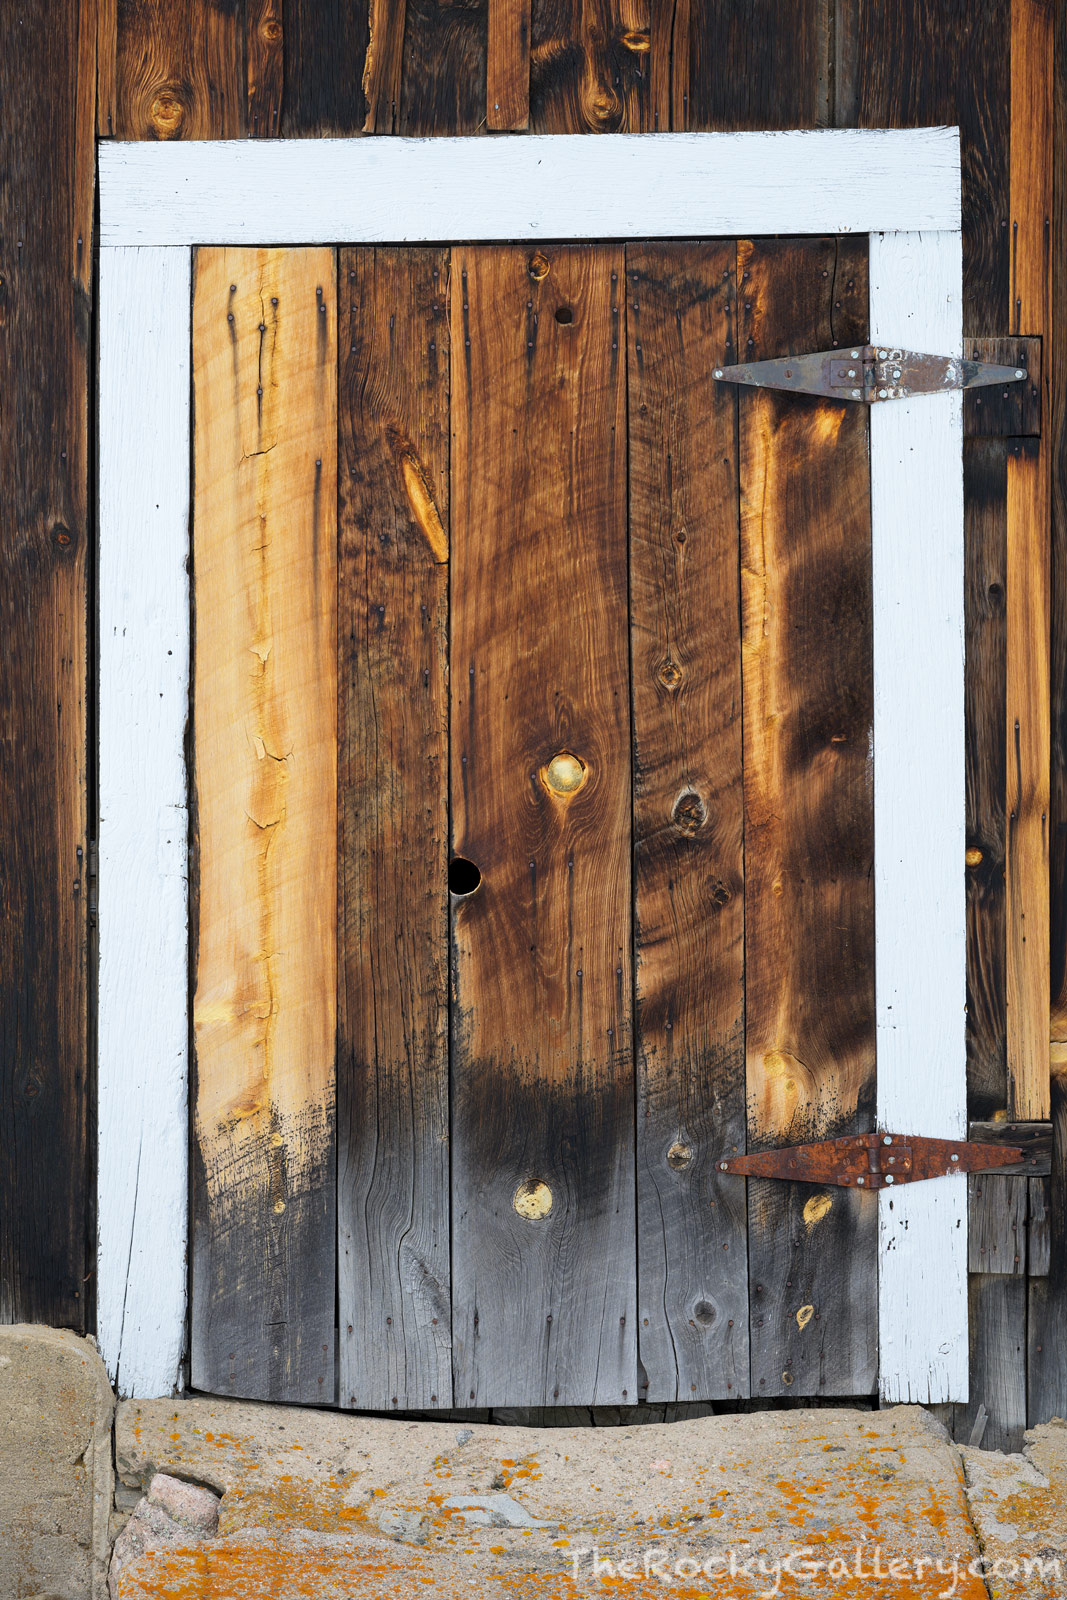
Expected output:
{"points": [[996, 1226]]}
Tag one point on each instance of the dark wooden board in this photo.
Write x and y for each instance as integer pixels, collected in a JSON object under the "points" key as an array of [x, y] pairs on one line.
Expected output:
{"points": [[1037, 1228], [589, 66], [997, 1208], [508, 65], [1011, 411], [809, 825], [180, 70], [47, 1206], [757, 64], [444, 67], [265, 67], [542, 1070], [998, 1361], [1033, 1138], [688, 821], [985, 554], [921, 63], [326, 50], [392, 1073]]}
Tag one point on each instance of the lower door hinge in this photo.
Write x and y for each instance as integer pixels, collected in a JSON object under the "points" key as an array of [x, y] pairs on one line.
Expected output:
{"points": [[872, 1160], [869, 373]]}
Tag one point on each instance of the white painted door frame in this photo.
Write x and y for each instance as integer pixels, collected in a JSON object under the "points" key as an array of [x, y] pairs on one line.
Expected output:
{"points": [[157, 202]]}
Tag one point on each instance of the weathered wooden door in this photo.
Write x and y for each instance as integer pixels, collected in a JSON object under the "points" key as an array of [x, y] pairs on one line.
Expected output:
{"points": [[533, 780]]}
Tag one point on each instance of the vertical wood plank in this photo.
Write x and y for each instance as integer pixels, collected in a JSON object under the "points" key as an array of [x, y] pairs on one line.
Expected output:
{"points": [[688, 821], [809, 827], [1028, 573], [46, 199], [756, 64], [444, 67], [917, 547], [508, 69], [985, 554], [542, 1091], [143, 1026], [590, 66], [179, 71], [327, 47], [669, 52], [392, 1115], [996, 1223], [1056, 422], [266, 68], [998, 1360], [384, 65], [264, 531]]}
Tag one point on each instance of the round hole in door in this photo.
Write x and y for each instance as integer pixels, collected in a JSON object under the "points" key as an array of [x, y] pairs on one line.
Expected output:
{"points": [[463, 876], [564, 314]]}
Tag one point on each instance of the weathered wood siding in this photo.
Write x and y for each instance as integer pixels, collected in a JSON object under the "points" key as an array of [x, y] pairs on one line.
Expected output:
{"points": [[261, 67]]}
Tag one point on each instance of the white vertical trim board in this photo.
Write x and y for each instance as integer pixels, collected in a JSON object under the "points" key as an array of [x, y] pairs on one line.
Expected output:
{"points": [[145, 338], [159, 200], [919, 818]]}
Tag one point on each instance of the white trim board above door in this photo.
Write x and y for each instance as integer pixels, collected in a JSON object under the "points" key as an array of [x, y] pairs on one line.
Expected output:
{"points": [[160, 200]]}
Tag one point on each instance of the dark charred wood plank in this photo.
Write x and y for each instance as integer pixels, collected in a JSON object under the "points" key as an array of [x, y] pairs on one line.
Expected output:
{"points": [[669, 51], [688, 822], [266, 68], [327, 51], [180, 70], [1035, 1138], [444, 73], [757, 64], [392, 1073], [996, 1224], [920, 63], [589, 66], [265, 773], [47, 1218], [542, 1089], [985, 554], [809, 826], [1015, 410], [1046, 1357]]}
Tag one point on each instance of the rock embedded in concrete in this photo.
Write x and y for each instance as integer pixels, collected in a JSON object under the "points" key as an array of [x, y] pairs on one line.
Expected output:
{"points": [[56, 1408], [188, 1503]]}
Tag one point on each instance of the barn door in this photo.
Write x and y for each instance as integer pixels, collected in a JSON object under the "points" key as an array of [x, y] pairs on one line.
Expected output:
{"points": [[533, 777]]}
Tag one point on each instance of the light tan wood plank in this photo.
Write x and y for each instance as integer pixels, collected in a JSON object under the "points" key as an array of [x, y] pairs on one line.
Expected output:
{"points": [[264, 542]]}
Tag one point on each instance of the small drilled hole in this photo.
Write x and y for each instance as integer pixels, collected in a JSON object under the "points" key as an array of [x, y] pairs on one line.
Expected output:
{"points": [[463, 876], [564, 314]]}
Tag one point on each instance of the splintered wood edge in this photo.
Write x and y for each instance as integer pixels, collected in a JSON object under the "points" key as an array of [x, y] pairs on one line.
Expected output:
{"points": [[171, 196]]}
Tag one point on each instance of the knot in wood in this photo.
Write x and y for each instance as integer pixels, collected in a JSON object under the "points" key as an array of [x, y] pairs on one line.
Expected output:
{"points": [[532, 1199]]}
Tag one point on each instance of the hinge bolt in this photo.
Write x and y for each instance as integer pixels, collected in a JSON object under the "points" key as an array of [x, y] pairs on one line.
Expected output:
{"points": [[955, 1157], [896, 372], [717, 373], [883, 394], [859, 1180], [887, 1139], [855, 355], [889, 1177], [724, 1166], [882, 354], [857, 394]]}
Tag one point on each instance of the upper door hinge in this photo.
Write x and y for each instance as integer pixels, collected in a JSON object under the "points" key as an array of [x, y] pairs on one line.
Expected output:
{"points": [[869, 373], [872, 1160]]}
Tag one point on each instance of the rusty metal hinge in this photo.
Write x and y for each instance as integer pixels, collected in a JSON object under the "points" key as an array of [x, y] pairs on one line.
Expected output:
{"points": [[872, 1160], [869, 373]]}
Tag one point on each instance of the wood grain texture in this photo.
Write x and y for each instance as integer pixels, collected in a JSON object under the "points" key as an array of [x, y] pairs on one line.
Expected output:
{"points": [[689, 902], [1057, 424], [1046, 1362], [542, 1090], [669, 52], [1038, 1253], [922, 63], [756, 64], [996, 1224], [590, 66], [1013, 411], [264, 535], [508, 64], [383, 67], [143, 673], [1028, 578], [444, 69], [998, 1361], [392, 1116], [985, 554], [179, 70], [1033, 1138], [809, 826], [326, 48], [46, 201], [265, 67]]}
